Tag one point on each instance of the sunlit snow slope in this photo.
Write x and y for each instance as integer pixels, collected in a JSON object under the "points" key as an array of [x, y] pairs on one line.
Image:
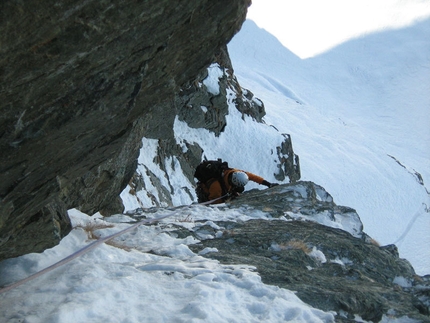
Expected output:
{"points": [[359, 119]]}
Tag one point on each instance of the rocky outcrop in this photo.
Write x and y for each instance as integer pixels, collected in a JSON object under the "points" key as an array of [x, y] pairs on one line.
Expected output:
{"points": [[352, 278], [81, 83], [195, 95], [333, 267], [204, 103]]}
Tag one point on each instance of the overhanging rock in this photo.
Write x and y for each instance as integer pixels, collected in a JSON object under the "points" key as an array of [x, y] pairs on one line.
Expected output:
{"points": [[78, 81]]}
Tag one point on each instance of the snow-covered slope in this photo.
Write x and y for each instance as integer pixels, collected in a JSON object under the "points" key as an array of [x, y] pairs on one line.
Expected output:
{"points": [[359, 119], [145, 276], [357, 116]]}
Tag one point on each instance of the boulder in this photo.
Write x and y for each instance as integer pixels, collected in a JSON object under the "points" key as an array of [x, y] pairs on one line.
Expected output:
{"points": [[318, 249]]}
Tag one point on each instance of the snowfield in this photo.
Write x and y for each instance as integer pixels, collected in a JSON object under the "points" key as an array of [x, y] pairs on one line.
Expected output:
{"points": [[144, 276], [358, 114], [358, 117]]}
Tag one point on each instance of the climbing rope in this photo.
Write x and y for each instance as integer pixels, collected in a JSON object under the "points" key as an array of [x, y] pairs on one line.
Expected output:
{"points": [[96, 244], [423, 209]]}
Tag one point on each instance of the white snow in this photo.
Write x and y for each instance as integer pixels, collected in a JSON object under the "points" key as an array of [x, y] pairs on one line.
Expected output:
{"points": [[318, 255], [144, 276], [402, 282], [341, 261], [358, 114], [211, 81], [357, 109]]}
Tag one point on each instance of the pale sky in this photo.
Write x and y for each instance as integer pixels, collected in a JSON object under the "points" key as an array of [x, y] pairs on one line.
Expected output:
{"points": [[310, 27]]}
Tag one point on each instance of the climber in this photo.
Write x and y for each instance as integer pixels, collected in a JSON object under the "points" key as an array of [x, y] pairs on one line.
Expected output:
{"points": [[218, 182]]}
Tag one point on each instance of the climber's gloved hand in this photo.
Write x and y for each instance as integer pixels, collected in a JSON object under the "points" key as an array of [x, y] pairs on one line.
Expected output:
{"points": [[231, 196], [266, 183], [235, 194]]}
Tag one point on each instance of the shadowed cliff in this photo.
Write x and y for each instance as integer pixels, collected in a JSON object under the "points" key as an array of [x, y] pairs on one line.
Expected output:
{"points": [[80, 83]]}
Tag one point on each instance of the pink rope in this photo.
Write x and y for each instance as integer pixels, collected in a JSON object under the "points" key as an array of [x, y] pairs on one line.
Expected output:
{"points": [[81, 252], [90, 247]]}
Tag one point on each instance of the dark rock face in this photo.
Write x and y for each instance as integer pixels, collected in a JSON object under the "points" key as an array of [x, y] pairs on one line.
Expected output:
{"points": [[81, 81], [195, 95], [329, 268], [356, 279]]}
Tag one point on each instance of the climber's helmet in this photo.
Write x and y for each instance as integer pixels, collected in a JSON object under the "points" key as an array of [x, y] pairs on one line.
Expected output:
{"points": [[239, 179]]}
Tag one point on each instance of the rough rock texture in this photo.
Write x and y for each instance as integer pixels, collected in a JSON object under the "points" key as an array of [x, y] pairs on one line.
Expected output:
{"points": [[195, 95], [329, 268], [356, 279], [80, 84]]}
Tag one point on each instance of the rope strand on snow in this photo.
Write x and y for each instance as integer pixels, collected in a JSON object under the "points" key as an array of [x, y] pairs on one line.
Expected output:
{"points": [[93, 245], [423, 209], [80, 253]]}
